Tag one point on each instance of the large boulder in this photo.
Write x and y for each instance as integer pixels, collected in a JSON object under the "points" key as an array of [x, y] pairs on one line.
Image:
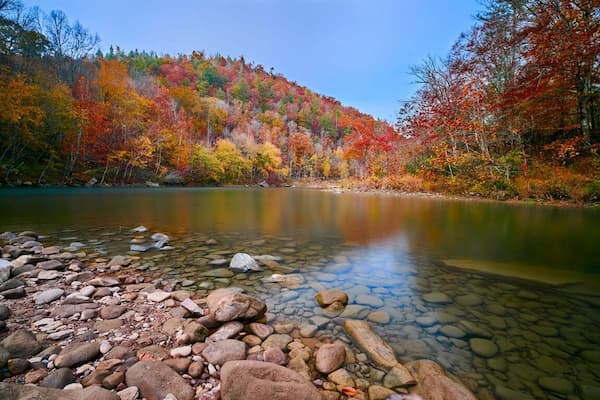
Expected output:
{"points": [[255, 380], [244, 262], [230, 304], [156, 380], [371, 343], [21, 343], [434, 384]]}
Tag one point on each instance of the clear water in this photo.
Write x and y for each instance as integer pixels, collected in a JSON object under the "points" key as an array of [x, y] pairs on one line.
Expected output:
{"points": [[389, 253]]}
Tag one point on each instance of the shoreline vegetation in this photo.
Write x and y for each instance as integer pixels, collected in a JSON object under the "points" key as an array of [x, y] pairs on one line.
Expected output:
{"points": [[87, 326], [337, 186]]}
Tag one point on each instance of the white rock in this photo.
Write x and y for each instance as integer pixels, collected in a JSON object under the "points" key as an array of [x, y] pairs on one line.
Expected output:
{"points": [[182, 351], [77, 298], [73, 386], [105, 346], [139, 229], [131, 393], [244, 262]]}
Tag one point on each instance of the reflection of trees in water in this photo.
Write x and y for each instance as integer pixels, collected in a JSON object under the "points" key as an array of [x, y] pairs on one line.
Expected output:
{"points": [[447, 229]]}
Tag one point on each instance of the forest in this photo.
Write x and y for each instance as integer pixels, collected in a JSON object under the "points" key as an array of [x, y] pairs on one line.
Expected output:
{"points": [[512, 112]]}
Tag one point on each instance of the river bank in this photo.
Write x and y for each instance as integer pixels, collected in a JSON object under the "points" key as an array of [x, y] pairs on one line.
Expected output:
{"points": [[339, 186], [80, 325]]}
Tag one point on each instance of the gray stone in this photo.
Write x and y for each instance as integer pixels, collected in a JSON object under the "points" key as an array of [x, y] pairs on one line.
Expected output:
{"points": [[58, 379], [452, 331], [227, 331], [369, 300], [77, 353], [112, 312], [469, 300], [50, 265], [48, 296]]}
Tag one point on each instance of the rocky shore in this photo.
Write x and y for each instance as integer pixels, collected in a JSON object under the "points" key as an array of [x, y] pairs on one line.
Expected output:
{"points": [[76, 325]]}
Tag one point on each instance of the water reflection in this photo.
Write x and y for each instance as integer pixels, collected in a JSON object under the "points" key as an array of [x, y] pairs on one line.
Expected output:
{"points": [[528, 235]]}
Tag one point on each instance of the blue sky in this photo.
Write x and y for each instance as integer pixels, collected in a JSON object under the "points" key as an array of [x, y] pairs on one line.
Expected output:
{"points": [[358, 51]]}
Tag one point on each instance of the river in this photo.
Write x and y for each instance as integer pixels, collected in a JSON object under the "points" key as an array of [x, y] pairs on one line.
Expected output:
{"points": [[505, 296]]}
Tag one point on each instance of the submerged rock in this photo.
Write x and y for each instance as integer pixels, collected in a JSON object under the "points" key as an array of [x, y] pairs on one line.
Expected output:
{"points": [[433, 383], [229, 305], [381, 352]]}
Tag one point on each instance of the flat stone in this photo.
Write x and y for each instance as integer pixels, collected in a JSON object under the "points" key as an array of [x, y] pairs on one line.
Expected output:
{"points": [[368, 300], [112, 312], [50, 265], [380, 317], [218, 273], [16, 293], [152, 352], [11, 391], [131, 393], [379, 351], [155, 380], [504, 393], [279, 340], [469, 300], [47, 275], [452, 331], [158, 296], [380, 393], [218, 353], [48, 296], [483, 347], [108, 325], [556, 384], [437, 298], [192, 307], [255, 380], [260, 330], [103, 282], [227, 331]]}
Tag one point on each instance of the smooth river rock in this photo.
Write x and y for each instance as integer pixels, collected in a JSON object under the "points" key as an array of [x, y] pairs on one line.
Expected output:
{"points": [[229, 304], [381, 352], [330, 357], [434, 384], [220, 352], [77, 353], [255, 380], [155, 380]]}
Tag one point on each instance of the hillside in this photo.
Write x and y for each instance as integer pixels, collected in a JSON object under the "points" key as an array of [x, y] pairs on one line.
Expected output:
{"points": [[69, 116]]}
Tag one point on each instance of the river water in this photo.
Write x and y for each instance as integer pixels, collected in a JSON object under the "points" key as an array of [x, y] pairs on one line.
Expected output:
{"points": [[506, 297]]}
